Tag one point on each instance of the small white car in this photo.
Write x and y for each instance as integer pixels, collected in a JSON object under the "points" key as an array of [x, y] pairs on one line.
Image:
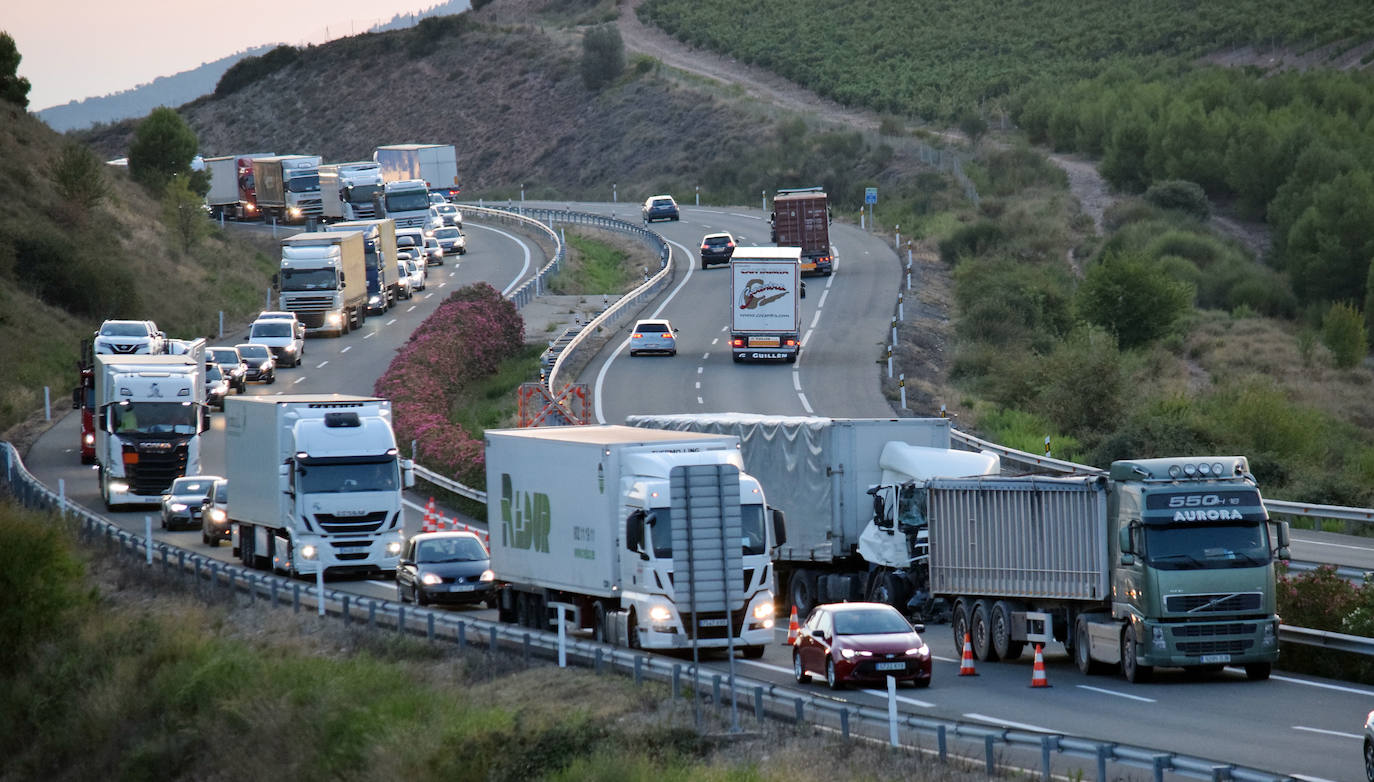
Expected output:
{"points": [[417, 275], [282, 315], [653, 336], [129, 337], [281, 336], [404, 290]]}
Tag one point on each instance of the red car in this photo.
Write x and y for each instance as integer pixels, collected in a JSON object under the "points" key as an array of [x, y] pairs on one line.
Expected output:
{"points": [[860, 643]]}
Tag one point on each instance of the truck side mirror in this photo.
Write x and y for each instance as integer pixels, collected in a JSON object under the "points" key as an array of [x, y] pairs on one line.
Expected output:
{"points": [[1124, 539], [408, 473], [76, 397], [779, 527], [634, 533], [342, 277], [284, 470], [1282, 552]]}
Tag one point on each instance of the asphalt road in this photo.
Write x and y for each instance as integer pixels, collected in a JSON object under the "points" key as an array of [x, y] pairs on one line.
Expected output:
{"points": [[1298, 725]]}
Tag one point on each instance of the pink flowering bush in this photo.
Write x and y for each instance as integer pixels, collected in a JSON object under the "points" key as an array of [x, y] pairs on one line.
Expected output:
{"points": [[466, 339]]}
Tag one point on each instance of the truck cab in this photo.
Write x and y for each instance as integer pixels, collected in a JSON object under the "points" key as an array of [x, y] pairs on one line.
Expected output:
{"points": [[406, 202]]}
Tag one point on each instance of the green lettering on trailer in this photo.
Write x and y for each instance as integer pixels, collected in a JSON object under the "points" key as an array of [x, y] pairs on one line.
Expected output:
{"points": [[526, 517]]}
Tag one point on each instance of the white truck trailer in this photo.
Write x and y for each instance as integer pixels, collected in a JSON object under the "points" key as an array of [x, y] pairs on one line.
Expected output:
{"points": [[149, 417], [323, 279], [233, 191], [316, 482], [434, 164], [379, 250], [347, 190], [657, 540], [765, 303]]}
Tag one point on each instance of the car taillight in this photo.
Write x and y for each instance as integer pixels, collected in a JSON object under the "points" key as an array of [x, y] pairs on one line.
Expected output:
{"points": [[636, 336], [704, 248], [729, 245], [791, 342]]}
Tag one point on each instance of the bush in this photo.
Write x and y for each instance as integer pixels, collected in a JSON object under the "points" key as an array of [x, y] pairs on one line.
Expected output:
{"points": [[162, 147], [1064, 395], [603, 56], [74, 276], [79, 176], [40, 577], [251, 69], [974, 239], [1133, 299], [1180, 195], [1343, 334]]}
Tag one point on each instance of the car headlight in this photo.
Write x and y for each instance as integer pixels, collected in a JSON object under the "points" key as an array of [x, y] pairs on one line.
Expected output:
{"points": [[289, 349], [308, 552], [920, 651], [763, 610], [393, 548], [218, 515], [429, 579], [177, 507], [660, 614], [848, 654], [487, 575]]}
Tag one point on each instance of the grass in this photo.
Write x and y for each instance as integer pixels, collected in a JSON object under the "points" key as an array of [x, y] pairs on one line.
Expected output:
{"points": [[597, 265], [491, 403]]}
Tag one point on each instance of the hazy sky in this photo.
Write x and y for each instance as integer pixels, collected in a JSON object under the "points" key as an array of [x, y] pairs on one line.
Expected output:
{"points": [[75, 49]]}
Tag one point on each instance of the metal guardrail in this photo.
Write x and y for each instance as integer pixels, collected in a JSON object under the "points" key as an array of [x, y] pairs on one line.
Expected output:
{"points": [[1000, 749], [530, 288]]}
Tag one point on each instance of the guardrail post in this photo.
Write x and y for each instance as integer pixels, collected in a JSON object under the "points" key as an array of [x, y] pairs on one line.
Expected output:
{"points": [[844, 723], [1045, 757], [148, 538], [677, 681], [429, 629], [274, 594], [596, 662], [319, 588], [758, 703], [892, 710], [296, 598], [230, 579], [1221, 773], [462, 635], [942, 743], [492, 647], [715, 690], [801, 710], [639, 670], [1161, 763], [989, 757], [1103, 752], [347, 616], [525, 648], [371, 615]]}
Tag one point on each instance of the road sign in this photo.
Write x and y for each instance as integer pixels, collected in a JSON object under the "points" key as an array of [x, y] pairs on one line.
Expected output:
{"points": [[870, 195]]}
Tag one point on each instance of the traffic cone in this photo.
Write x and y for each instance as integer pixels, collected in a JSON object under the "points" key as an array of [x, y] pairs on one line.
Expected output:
{"points": [[793, 628], [428, 525], [966, 664], [1038, 674]]}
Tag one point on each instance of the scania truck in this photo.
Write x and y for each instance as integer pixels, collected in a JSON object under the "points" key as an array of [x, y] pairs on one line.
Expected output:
{"points": [[316, 482], [323, 280], [658, 540]]}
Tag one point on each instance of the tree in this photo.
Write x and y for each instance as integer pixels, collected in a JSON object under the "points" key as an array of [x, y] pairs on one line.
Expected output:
{"points": [[79, 176], [1330, 244], [1123, 159], [1343, 335], [183, 212], [13, 87], [603, 56], [1181, 195], [1132, 298], [1087, 359], [163, 146], [973, 125]]}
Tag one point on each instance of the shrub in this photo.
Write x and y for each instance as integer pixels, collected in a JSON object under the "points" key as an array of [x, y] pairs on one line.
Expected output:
{"points": [[40, 576], [1133, 299], [71, 275], [974, 239], [1180, 195], [1343, 334], [251, 69], [603, 56], [79, 176], [1088, 356]]}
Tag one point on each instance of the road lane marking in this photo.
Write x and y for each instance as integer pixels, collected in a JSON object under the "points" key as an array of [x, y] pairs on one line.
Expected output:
{"points": [[1320, 685], [321, 365], [1324, 732], [524, 268], [369, 334], [900, 698], [796, 380], [412, 308], [705, 356], [699, 401], [297, 380], [824, 294], [393, 320], [1008, 723], [805, 404], [1140, 698], [700, 370], [698, 385], [714, 341], [815, 321], [346, 349]]}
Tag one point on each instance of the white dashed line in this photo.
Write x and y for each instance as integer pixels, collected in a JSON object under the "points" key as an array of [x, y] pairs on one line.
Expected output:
{"points": [[700, 370], [699, 401], [346, 349], [796, 380], [824, 294], [412, 308], [1140, 698], [714, 341], [393, 320], [1355, 736], [321, 365], [806, 338], [297, 380], [805, 404], [705, 356], [369, 335], [698, 385], [815, 320]]}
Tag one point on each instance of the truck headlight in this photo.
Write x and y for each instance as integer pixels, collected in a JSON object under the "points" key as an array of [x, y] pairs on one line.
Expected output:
{"points": [[393, 548], [660, 614], [1157, 637], [429, 579], [308, 552], [118, 486], [763, 610], [334, 318], [295, 211]]}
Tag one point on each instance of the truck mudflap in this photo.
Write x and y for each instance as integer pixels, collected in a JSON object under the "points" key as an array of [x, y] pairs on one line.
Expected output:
{"points": [[1190, 644]]}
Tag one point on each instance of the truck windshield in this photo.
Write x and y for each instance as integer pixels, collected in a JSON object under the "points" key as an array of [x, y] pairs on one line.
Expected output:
{"points": [[155, 418], [379, 474], [361, 194], [410, 201], [1207, 547], [307, 279], [753, 539], [304, 184]]}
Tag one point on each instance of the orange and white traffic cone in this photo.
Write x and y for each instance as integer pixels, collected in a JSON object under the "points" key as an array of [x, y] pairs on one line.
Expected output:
{"points": [[966, 663], [428, 525], [1038, 674], [793, 628]]}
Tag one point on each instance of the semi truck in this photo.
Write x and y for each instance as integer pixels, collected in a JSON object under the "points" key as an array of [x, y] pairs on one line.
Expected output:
{"points": [[406, 202], [323, 280], [347, 190], [317, 483], [654, 539], [83, 399], [801, 218], [1155, 562], [379, 249], [765, 304], [233, 190], [434, 164], [149, 417], [289, 187]]}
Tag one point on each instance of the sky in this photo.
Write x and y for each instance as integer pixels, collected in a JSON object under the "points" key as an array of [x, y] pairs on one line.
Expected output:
{"points": [[77, 49]]}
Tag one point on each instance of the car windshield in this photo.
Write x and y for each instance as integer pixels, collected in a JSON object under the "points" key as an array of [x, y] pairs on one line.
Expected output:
{"points": [[254, 351], [446, 233], [446, 209], [379, 474], [407, 202], [462, 549], [124, 330], [213, 373], [307, 279], [224, 355], [222, 491], [155, 418], [1206, 547], [272, 328], [870, 621], [184, 486], [304, 184], [431, 242]]}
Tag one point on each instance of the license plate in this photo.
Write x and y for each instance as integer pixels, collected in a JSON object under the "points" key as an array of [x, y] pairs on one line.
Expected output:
{"points": [[763, 342], [462, 587], [1216, 658], [890, 666], [711, 623]]}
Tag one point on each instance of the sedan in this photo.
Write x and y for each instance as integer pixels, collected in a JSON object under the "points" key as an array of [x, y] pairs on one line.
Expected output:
{"points": [[451, 240], [653, 336], [183, 504], [446, 567], [860, 643], [261, 365], [1369, 746], [231, 363], [214, 522], [216, 386], [434, 253], [716, 248]]}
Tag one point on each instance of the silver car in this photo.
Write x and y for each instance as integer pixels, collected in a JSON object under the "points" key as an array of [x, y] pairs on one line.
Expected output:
{"points": [[653, 336]]}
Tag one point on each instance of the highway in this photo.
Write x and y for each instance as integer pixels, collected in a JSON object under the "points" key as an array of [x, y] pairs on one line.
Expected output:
{"points": [[1298, 725]]}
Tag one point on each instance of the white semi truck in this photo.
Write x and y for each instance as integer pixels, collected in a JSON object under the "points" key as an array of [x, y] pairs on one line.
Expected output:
{"points": [[765, 304], [347, 190], [288, 187], [150, 413], [233, 191], [323, 280], [406, 202], [657, 540], [434, 164], [316, 482]]}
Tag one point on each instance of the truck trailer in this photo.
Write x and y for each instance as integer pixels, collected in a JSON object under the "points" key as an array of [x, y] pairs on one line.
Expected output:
{"points": [[801, 218], [655, 539], [316, 482], [233, 190], [288, 187], [765, 304], [347, 190], [323, 280], [379, 248], [150, 414], [434, 164]]}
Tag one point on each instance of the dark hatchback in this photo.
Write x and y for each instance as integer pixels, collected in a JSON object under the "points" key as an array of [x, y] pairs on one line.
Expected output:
{"points": [[446, 567], [860, 643], [716, 248]]}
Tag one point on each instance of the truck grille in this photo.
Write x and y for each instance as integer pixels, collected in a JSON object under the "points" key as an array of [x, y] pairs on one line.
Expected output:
{"points": [[364, 212], [1244, 601], [711, 624], [1214, 638], [313, 207], [126, 349], [410, 222], [155, 470], [370, 522], [315, 304]]}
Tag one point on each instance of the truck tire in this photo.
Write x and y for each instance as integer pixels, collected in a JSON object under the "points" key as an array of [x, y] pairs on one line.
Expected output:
{"points": [[890, 588], [1258, 672], [1002, 643], [958, 623], [1130, 666], [801, 592], [1082, 649], [980, 627], [522, 609], [632, 632]]}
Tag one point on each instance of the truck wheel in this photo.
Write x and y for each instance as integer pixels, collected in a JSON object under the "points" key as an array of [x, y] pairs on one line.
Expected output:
{"points": [[1002, 644], [802, 591], [958, 622], [1082, 651], [980, 627], [1258, 672], [632, 632], [522, 610], [891, 589], [1130, 666]]}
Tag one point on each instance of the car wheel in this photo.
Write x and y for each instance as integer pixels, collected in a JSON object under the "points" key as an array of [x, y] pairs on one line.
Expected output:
{"points": [[797, 669], [1369, 759], [420, 599], [753, 652], [1130, 666], [272, 378], [831, 681]]}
